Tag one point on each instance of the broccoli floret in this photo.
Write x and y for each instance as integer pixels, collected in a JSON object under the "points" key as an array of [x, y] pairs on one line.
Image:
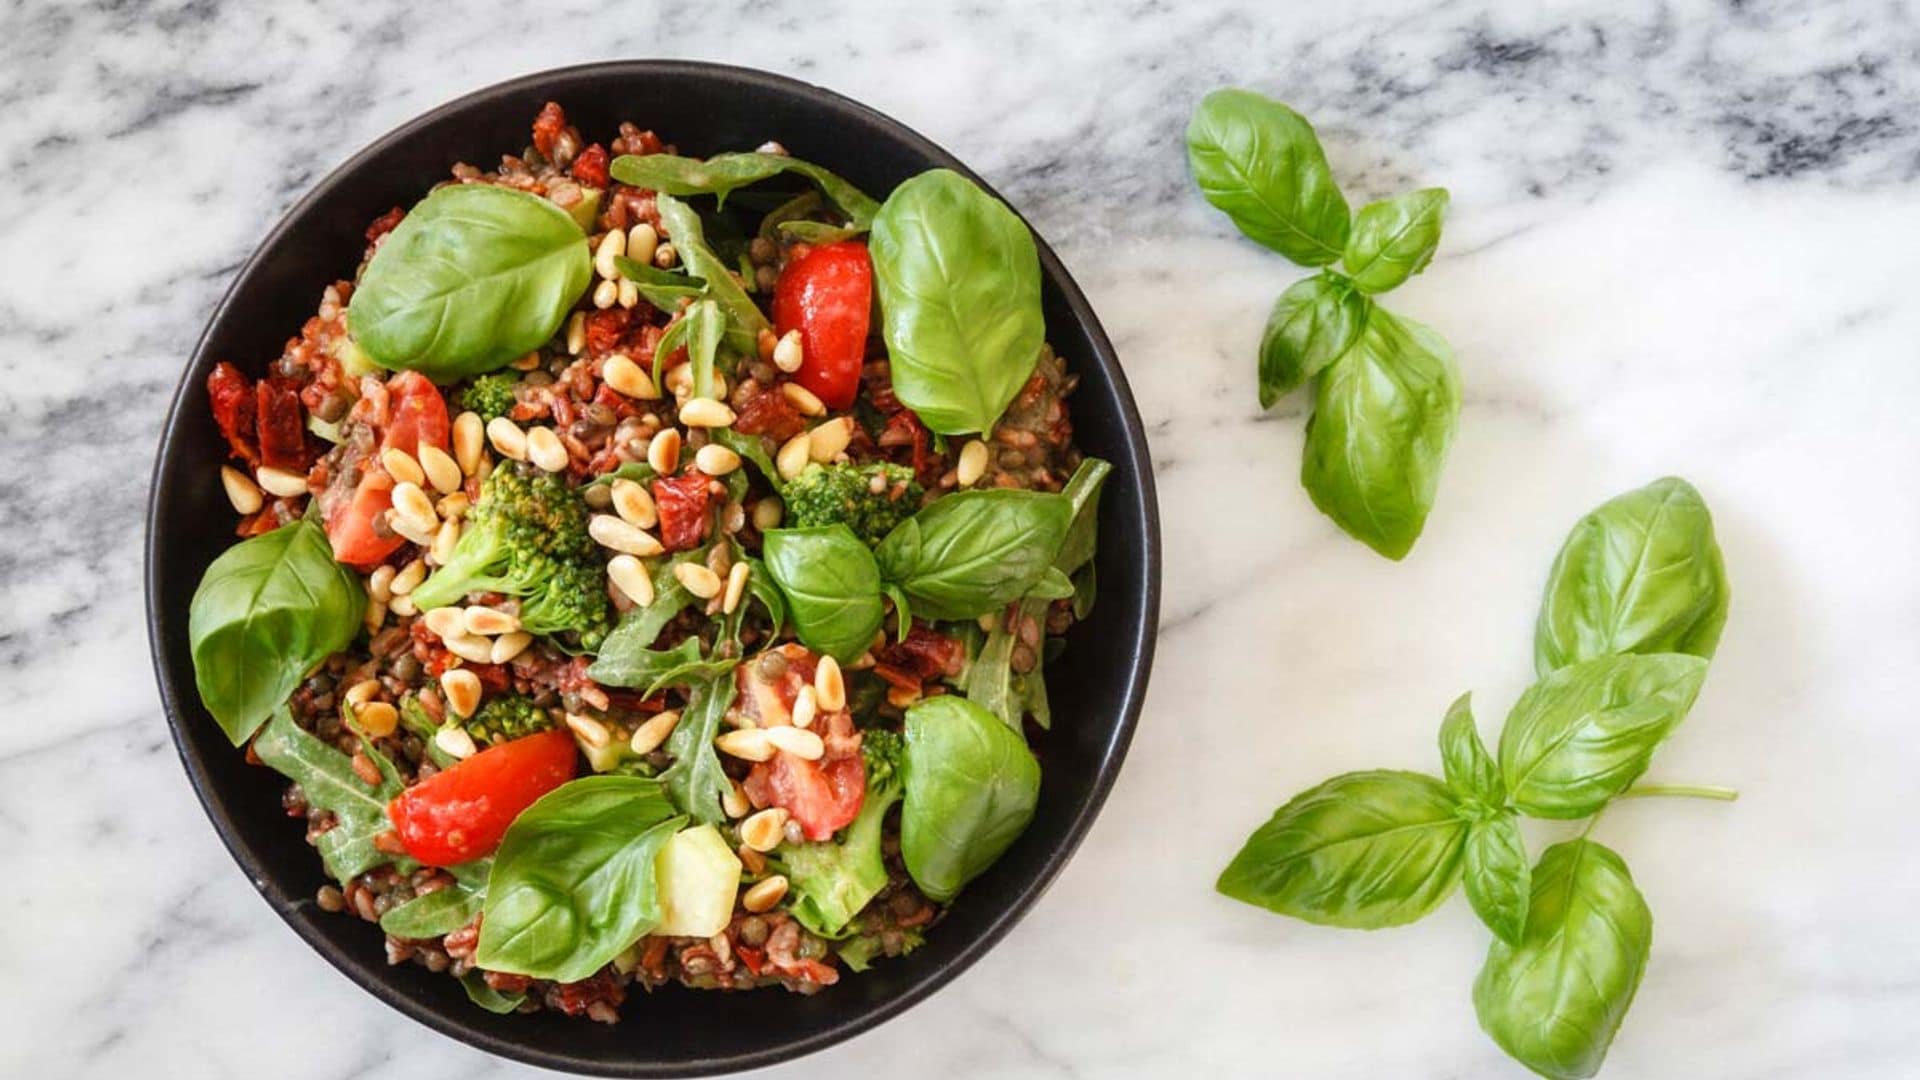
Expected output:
{"points": [[504, 717], [490, 395], [526, 536], [831, 881], [869, 499]]}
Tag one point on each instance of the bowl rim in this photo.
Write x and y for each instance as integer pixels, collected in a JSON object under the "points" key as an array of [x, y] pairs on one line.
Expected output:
{"points": [[1021, 899]]}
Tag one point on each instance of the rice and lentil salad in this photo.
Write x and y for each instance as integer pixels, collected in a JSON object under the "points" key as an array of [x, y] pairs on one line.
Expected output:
{"points": [[647, 581]]}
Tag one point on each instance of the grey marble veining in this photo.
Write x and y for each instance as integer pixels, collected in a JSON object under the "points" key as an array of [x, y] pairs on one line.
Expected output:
{"points": [[1682, 241]]}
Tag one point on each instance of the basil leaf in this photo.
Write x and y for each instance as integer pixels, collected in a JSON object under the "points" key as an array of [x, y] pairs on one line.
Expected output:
{"points": [[689, 238], [1470, 770], [664, 289], [975, 551], [1495, 874], [1313, 324], [1260, 163], [475, 984], [819, 232], [958, 278], [1555, 1001], [327, 777], [1582, 734], [722, 173], [1085, 587], [1053, 585], [1640, 574], [266, 612], [441, 912], [1382, 420], [696, 780], [832, 585], [572, 883], [1394, 239], [474, 276], [971, 789], [1362, 850]]}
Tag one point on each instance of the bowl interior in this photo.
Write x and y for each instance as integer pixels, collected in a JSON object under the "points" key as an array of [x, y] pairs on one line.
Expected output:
{"points": [[1096, 686]]}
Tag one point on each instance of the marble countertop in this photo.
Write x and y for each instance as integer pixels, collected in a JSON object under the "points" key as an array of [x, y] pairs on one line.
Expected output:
{"points": [[1682, 242]]}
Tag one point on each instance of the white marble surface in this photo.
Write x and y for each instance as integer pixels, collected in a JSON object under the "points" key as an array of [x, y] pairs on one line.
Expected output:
{"points": [[1683, 240]]}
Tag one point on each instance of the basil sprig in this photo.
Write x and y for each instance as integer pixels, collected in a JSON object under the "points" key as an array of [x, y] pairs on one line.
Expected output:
{"points": [[1571, 932], [1388, 393]]}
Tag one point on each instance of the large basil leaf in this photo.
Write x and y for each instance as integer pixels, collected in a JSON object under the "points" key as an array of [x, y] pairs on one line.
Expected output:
{"points": [[1362, 850], [1313, 324], [441, 912], [1261, 163], [1495, 875], [976, 551], [1471, 772], [1640, 574], [572, 883], [959, 286], [474, 276], [696, 780], [832, 585], [971, 788], [1382, 421], [1394, 239], [326, 776], [721, 173], [744, 318], [1555, 1000], [266, 612], [1582, 734]]}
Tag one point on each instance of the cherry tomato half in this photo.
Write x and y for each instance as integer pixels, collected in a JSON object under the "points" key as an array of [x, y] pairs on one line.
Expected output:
{"points": [[827, 294], [350, 521], [460, 813], [823, 796]]}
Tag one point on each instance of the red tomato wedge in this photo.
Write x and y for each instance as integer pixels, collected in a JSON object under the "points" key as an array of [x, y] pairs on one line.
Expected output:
{"points": [[460, 814], [419, 414], [827, 295], [350, 524]]}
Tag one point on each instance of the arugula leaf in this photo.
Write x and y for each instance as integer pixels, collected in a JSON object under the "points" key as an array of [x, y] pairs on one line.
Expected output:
{"points": [[326, 776], [1313, 324], [720, 174], [621, 664], [1260, 163], [441, 912], [664, 289], [744, 318], [696, 781], [1394, 239]]}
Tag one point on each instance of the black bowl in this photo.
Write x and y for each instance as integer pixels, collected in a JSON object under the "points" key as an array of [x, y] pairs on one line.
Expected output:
{"points": [[1096, 686]]}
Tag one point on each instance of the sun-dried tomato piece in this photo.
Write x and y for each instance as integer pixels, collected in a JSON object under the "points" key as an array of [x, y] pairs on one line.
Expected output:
{"points": [[384, 224], [926, 652], [548, 126], [282, 424], [606, 329], [682, 503], [590, 168], [769, 413], [231, 396]]}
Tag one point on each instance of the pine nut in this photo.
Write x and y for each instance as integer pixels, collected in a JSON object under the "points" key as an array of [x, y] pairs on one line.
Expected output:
{"points": [[803, 399], [454, 742], [403, 607], [767, 513], [281, 482], [705, 413], [799, 742], [377, 719], [455, 505], [411, 529], [634, 504], [507, 438], [469, 647], [629, 296], [508, 646], [409, 577], [793, 457], [973, 463], [642, 240], [679, 381], [445, 622], [576, 333], [242, 492], [545, 450], [697, 579], [787, 354], [630, 577], [412, 504], [588, 730], [764, 895], [605, 295], [401, 466], [362, 692], [806, 705], [664, 256], [444, 540], [489, 621], [375, 616], [612, 246], [627, 379], [736, 588], [469, 441], [462, 688], [611, 532], [829, 686], [527, 362], [648, 736], [830, 439], [764, 831], [663, 453], [442, 471], [747, 744], [716, 460], [734, 802]]}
